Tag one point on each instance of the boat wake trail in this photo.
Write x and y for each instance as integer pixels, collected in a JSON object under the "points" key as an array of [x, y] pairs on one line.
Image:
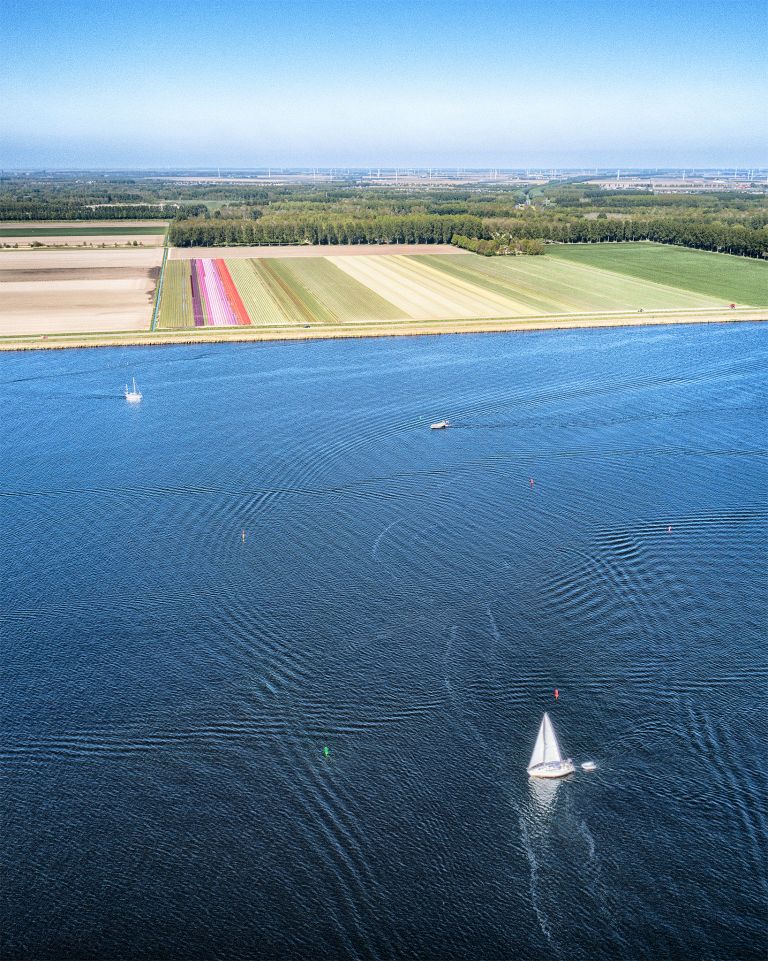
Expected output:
{"points": [[377, 542], [533, 887], [721, 749], [447, 655], [593, 874]]}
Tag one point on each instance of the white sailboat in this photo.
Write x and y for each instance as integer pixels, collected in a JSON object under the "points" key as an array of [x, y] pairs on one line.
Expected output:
{"points": [[133, 396], [547, 759]]}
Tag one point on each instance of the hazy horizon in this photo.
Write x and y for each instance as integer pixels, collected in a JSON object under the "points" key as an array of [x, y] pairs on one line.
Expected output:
{"points": [[186, 85], [232, 170]]}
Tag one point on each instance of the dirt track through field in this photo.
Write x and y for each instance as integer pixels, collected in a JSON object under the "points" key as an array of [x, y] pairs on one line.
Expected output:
{"points": [[78, 273], [80, 224], [307, 250], [84, 241], [54, 259]]}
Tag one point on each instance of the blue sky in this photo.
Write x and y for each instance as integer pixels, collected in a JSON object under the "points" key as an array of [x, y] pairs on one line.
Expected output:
{"points": [[235, 83]]}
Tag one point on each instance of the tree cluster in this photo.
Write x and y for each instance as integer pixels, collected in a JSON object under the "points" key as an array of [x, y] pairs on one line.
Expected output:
{"points": [[704, 235], [500, 246], [318, 229]]}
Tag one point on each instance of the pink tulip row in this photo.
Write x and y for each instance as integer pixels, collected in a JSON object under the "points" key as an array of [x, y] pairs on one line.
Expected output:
{"points": [[216, 306]]}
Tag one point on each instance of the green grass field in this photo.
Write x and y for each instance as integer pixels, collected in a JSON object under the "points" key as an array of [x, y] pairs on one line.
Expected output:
{"points": [[108, 229], [732, 279], [576, 281], [548, 286]]}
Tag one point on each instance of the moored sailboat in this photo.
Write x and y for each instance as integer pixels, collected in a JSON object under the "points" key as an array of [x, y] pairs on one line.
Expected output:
{"points": [[133, 396], [547, 759]]}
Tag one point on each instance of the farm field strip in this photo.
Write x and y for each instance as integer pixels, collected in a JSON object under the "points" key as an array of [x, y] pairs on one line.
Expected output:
{"points": [[345, 298], [73, 288], [286, 300], [462, 288], [623, 291], [307, 251], [176, 300], [31, 308], [76, 291], [83, 241], [566, 291], [421, 298], [553, 290], [420, 301], [308, 309], [44, 260], [260, 305], [471, 270], [734, 279], [98, 230], [591, 288]]}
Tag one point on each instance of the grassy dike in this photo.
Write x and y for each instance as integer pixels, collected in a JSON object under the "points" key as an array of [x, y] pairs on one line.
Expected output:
{"points": [[410, 328]]}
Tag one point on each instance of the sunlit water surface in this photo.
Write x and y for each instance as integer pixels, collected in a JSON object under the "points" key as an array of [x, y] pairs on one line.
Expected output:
{"points": [[407, 599]]}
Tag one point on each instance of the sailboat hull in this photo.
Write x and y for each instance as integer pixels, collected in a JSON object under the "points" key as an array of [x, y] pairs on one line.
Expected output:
{"points": [[552, 769]]}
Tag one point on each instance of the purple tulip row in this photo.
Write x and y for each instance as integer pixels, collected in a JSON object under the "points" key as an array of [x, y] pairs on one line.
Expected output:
{"points": [[197, 306]]}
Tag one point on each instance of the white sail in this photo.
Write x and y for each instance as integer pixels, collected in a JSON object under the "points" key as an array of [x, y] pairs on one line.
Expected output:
{"points": [[546, 750], [552, 750], [133, 396]]}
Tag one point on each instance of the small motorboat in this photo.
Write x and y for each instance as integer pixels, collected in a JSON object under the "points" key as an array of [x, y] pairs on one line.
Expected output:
{"points": [[547, 759], [133, 395], [440, 425], [588, 766]]}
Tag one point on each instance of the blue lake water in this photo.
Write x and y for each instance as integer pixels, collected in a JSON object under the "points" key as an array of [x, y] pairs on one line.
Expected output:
{"points": [[407, 599]]}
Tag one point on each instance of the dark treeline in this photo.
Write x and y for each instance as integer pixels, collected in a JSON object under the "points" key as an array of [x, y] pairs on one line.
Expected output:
{"points": [[731, 204], [19, 210], [323, 230], [534, 226]]}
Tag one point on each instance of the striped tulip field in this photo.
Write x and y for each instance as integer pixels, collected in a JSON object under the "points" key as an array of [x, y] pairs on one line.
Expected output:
{"points": [[200, 293], [215, 299], [380, 288]]}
